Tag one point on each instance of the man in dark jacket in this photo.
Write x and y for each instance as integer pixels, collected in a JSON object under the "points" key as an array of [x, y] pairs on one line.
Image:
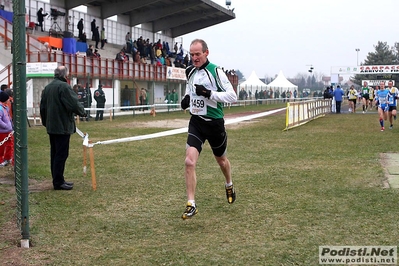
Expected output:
{"points": [[40, 17], [58, 105], [80, 28], [96, 34], [93, 27], [84, 96], [99, 96]]}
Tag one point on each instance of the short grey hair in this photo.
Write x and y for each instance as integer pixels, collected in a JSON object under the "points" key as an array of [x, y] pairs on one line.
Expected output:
{"points": [[61, 71], [202, 42]]}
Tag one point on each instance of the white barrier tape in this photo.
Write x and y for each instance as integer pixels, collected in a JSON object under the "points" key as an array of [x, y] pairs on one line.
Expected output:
{"points": [[84, 136], [80, 133], [185, 129], [148, 136], [86, 140]]}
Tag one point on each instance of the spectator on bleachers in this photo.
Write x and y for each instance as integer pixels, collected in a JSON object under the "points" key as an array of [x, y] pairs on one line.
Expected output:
{"points": [[129, 44], [162, 59], [186, 60], [140, 45], [80, 28], [96, 36], [134, 46], [96, 54], [121, 56], [40, 17], [166, 49], [125, 53], [83, 38], [136, 57], [159, 45], [103, 39], [167, 61], [93, 28], [147, 47], [179, 55], [152, 53], [177, 63], [45, 47], [175, 48], [89, 51], [158, 51]]}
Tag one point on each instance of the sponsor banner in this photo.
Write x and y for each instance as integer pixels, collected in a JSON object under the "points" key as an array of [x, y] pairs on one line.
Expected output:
{"points": [[359, 255], [176, 73], [44, 69], [376, 82], [377, 69]]}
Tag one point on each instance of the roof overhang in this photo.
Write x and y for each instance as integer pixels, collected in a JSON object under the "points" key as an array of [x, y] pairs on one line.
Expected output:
{"points": [[173, 17]]}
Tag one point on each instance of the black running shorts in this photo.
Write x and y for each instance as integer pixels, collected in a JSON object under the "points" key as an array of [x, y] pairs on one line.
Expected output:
{"points": [[214, 131]]}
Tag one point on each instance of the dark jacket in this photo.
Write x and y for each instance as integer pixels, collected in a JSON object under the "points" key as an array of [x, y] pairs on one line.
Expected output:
{"points": [[58, 105], [96, 35], [99, 96], [40, 15], [80, 25]]}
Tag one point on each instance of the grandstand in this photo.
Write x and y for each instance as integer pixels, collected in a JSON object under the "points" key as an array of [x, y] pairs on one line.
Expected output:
{"points": [[166, 20]]}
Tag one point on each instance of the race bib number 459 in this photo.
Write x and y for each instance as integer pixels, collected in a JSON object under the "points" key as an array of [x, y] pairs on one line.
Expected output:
{"points": [[198, 106]]}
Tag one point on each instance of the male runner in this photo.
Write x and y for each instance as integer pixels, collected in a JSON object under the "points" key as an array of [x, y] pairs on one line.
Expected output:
{"points": [[365, 96], [207, 89]]}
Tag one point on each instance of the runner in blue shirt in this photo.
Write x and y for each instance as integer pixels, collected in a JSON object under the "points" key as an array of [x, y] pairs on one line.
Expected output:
{"points": [[382, 103]]}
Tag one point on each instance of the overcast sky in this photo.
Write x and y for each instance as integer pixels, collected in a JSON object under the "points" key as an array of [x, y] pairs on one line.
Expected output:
{"points": [[272, 35]]}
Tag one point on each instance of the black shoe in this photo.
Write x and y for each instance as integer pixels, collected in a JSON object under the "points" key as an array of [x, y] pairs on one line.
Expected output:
{"points": [[63, 187], [190, 211], [230, 194], [69, 183]]}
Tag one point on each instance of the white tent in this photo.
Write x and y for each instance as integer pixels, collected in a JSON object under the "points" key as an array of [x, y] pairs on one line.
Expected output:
{"points": [[281, 83], [252, 83]]}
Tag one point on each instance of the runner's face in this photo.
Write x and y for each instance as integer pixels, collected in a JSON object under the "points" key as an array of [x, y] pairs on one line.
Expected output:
{"points": [[197, 55], [382, 85], [390, 84]]}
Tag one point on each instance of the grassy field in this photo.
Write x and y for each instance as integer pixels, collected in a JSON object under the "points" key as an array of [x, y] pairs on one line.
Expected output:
{"points": [[319, 184]]}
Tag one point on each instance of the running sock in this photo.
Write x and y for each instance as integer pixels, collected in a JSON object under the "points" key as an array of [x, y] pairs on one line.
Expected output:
{"points": [[192, 202], [229, 184], [381, 122]]}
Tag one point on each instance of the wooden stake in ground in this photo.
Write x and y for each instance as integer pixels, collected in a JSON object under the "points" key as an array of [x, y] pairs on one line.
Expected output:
{"points": [[93, 171], [153, 112]]}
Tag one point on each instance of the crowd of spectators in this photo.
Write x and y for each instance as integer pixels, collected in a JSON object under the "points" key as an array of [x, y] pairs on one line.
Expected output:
{"points": [[144, 51], [159, 53]]}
